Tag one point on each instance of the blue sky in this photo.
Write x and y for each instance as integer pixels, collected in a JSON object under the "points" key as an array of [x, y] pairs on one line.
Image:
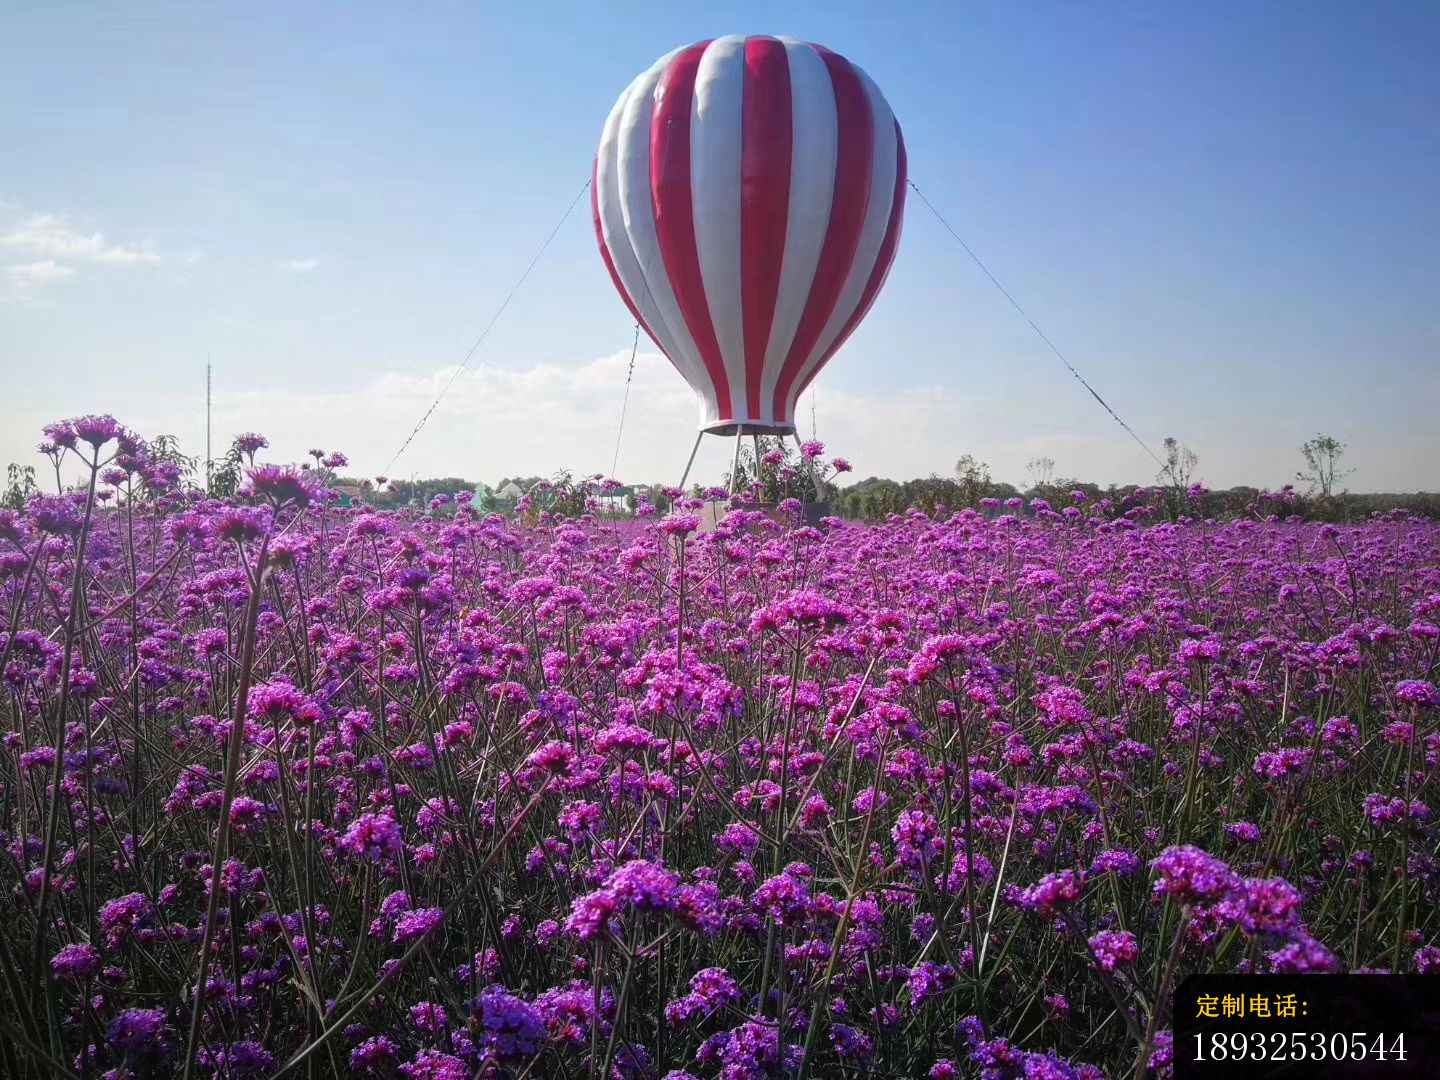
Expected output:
{"points": [[1225, 215]]}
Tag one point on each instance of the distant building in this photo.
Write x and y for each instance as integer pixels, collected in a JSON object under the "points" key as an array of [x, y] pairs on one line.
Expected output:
{"points": [[510, 492], [616, 501], [349, 493]]}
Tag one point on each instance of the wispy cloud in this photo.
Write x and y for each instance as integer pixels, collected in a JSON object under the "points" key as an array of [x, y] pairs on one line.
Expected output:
{"points": [[541, 417], [35, 274], [50, 237], [298, 266], [531, 419]]}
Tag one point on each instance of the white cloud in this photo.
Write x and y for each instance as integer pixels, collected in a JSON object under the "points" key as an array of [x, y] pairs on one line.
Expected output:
{"points": [[298, 266], [35, 274], [496, 421], [533, 420], [48, 236]]}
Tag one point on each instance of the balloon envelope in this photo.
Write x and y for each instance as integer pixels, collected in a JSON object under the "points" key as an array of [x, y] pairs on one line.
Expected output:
{"points": [[748, 195]]}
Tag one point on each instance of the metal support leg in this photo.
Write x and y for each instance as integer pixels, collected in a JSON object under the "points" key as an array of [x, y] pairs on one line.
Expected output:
{"points": [[698, 436], [735, 464]]}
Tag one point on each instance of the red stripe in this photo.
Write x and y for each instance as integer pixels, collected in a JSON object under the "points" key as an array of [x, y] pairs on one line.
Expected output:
{"points": [[609, 261], [854, 158], [764, 200], [883, 258], [671, 201]]}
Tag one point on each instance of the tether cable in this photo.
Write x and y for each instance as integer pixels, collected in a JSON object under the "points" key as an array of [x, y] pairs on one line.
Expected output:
{"points": [[488, 327], [625, 404], [1034, 326]]}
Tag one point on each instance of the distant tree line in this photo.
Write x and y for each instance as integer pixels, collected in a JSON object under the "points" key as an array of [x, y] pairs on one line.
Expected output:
{"points": [[873, 498], [1176, 494], [417, 493], [781, 473]]}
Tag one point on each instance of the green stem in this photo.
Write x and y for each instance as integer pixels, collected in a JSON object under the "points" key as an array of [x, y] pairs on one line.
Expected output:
{"points": [[232, 776]]}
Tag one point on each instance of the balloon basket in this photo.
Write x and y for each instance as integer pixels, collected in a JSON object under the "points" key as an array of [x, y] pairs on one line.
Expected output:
{"points": [[810, 513]]}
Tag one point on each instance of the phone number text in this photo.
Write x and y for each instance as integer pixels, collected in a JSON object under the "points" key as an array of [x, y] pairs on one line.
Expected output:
{"points": [[1297, 1046]]}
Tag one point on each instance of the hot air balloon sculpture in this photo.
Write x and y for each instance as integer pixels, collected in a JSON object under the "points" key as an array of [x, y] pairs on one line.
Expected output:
{"points": [[748, 195]]}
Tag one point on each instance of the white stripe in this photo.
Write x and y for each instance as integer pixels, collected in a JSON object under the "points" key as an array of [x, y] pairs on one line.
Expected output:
{"points": [[612, 220], [716, 118], [648, 279], [612, 223], [872, 233], [814, 140]]}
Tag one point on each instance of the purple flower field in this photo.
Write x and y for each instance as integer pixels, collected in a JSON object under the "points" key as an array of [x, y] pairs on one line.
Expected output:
{"points": [[288, 789]]}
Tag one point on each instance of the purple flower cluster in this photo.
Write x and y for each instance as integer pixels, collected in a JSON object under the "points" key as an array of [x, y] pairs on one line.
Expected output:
{"points": [[373, 836], [417, 923], [1053, 893], [710, 989], [639, 885], [1192, 876], [1113, 948], [510, 1027]]}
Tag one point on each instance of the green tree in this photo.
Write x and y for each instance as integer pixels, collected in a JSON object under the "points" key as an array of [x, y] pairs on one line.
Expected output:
{"points": [[225, 474], [654, 494], [1176, 474], [972, 476], [564, 494], [1041, 471], [791, 478], [882, 497], [165, 449], [1180, 462], [418, 493], [19, 486], [1322, 465]]}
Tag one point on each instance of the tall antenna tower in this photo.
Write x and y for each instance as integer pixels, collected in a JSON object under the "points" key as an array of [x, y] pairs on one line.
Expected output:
{"points": [[207, 423]]}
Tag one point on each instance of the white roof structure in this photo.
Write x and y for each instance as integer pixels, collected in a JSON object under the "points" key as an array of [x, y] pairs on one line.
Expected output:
{"points": [[510, 491]]}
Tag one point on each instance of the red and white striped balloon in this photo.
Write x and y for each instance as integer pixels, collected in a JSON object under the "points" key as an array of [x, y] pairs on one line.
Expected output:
{"points": [[748, 195]]}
